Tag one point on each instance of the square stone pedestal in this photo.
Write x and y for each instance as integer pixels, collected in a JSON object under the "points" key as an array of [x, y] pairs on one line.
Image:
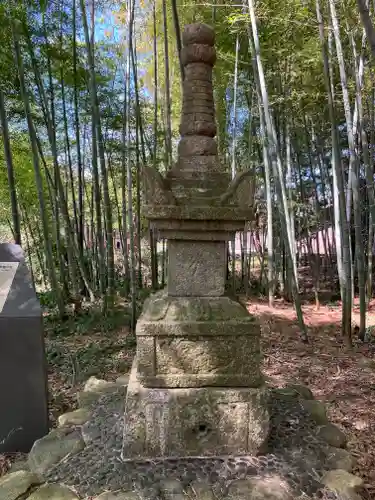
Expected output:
{"points": [[197, 342], [193, 422], [196, 388]]}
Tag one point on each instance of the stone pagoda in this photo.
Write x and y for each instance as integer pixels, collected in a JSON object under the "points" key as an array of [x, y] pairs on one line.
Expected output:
{"points": [[196, 388]]}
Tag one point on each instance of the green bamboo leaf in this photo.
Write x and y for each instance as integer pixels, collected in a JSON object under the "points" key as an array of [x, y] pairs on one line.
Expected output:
{"points": [[43, 5]]}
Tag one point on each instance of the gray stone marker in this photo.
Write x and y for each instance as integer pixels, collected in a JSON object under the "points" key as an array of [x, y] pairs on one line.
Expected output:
{"points": [[23, 376], [196, 387]]}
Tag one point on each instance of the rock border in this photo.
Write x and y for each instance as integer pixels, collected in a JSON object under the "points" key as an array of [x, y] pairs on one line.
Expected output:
{"points": [[27, 481]]}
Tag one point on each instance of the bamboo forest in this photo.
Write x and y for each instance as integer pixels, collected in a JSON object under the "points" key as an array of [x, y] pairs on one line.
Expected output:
{"points": [[91, 95]]}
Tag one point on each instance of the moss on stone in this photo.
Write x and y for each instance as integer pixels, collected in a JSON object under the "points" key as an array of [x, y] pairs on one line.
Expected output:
{"points": [[51, 449], [161, 307], [53, 492], [15, 484], [316, 409], [332, 435], [302, 390]]}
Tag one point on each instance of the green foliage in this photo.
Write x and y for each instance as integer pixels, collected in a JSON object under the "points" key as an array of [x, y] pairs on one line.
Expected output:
{"points": [[24, 175]]}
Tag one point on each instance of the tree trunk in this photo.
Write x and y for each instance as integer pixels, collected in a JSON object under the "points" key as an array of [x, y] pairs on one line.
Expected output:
{"points": [[341, 222], [38, 176], [364, 12], [129, 170], [80, 172], [354, 163], [16, 225], [168, 128], [276, 162]]}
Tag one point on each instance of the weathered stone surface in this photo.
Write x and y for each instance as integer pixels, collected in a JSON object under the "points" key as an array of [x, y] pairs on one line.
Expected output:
{"points": [[159, 306], [53, 492], [177, 227], [201, 98], [94, 384], [343, 483], [192, 126], [156, 188], [15, 484], [190, 106], [218, 185], [216, 358], [198, 213], [203, 107], [88, 399], [365, 362], [198, 33], [203, 380], [338, 458], [197, 87], [207, 236], [172, 489], [146, 352], [240, 192], [197, 93], [196, 270], [332, 435], [194, 422], [286, 393], [198, 53], [316, 409], [195, 195], [240, 489], [197, 169], [201, 490], [76, 417], [179, 346], [51, 449], [129, 495], [123, 379], [198, 71], [20, 464], [197, 145], [302, 390], [94, 389], [261, 488], [272, 487]]}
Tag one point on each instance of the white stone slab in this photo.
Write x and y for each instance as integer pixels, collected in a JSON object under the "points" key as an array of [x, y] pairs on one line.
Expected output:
{"points": [[7, 272]]}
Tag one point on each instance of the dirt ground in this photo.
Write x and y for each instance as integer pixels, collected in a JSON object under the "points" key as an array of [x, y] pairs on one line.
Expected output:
{"points": [[345, 381]]}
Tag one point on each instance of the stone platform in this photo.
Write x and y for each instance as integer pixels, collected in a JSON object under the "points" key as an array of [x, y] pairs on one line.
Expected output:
{"points": [[305, 458], [193, 422]]}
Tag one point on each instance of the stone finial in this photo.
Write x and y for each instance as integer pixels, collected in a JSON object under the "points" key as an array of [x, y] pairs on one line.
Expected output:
{"points": [[198, 113], [198, 33], [198, 178]]}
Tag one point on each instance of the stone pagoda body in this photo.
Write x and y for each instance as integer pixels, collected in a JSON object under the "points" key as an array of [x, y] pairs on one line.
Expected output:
{"points": [[196, 388]]}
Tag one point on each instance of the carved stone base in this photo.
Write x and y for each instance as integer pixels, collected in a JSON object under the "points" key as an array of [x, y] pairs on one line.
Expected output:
{"points": [[193, 422], [197, 342]]}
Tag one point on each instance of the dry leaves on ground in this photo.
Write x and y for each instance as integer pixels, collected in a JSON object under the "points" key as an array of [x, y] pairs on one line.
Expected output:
{"points": [[345, 381]]}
